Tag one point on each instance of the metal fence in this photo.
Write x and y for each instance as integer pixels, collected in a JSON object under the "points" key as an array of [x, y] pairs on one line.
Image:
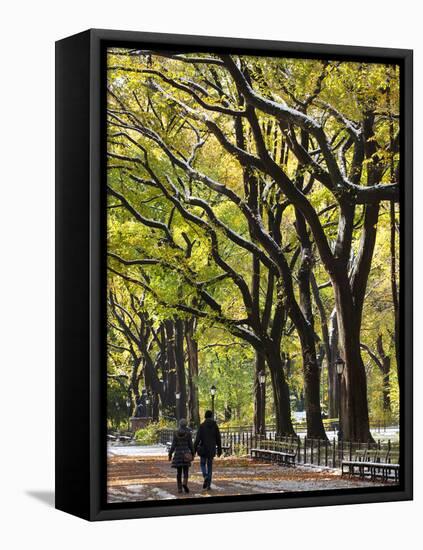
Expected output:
{"points": [[329, 425], [312, 452]]}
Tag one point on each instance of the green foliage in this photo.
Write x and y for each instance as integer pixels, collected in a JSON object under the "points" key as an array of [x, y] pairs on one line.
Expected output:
{"points": [[185, 261], [150, 434], [117, 411]]}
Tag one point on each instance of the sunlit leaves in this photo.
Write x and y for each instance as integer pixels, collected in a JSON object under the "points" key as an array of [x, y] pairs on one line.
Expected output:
{"points": [[175, 100]]}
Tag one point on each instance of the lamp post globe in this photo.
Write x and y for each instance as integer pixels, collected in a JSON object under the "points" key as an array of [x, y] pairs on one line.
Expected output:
{"points": [[340, 364], [213, 391], [178, 395], [128, 407]]}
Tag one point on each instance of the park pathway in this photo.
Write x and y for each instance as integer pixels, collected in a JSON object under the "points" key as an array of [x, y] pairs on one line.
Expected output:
{"points": [[144, 473]]}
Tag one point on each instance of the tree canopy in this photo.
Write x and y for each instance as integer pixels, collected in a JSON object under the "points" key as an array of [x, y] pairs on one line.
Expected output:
{"points": [[253, 226]]}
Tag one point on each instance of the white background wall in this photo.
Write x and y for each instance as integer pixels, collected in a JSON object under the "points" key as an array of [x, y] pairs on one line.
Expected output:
{"points": [[28, 32]]}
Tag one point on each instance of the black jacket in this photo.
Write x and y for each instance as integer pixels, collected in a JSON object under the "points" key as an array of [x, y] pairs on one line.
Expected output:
{"points": [[181, 445], [208, 438]]}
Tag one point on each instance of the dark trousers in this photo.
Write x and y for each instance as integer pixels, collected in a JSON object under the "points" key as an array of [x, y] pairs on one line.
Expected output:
{"points": [[179, 471], [206, 465]]}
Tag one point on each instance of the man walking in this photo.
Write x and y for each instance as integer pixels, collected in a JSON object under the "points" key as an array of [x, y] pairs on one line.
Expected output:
{"points": [[208, 438]]}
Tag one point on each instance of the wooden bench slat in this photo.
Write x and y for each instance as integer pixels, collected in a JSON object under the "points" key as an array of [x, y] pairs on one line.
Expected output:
{"points": [[370, 468], [286, 457]]}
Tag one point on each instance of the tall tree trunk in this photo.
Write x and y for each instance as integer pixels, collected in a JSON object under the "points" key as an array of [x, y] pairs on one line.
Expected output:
{"points": [[354, 411], [192, 353], [155, 406], [394, 284], [333, 389], [134, 384], [394, 289], [260, 363], [253, 191], [280, 390], [151, 378], [349, 297], [181, 387], [170, 367], [303, 319], [383, 363], [315, 428], [305, 325], [325, 336], [385, 367], [387, 390]]}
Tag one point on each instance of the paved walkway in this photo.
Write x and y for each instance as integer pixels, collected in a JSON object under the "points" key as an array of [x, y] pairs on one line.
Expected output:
{"points": [[137, 473]]}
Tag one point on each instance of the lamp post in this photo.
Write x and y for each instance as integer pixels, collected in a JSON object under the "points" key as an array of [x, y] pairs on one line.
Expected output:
{"points": [[262, 383], [319, 359], [128, 406], [178, 397], [117, 412], [340, 364], [147, 406], [213, 390]]}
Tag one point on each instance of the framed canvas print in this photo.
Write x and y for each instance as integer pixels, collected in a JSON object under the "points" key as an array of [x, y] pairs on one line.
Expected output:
{"points": [[234, 274]]}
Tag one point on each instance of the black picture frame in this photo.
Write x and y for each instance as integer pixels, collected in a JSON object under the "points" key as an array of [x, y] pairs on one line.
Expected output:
{"points": [[80, 275]]}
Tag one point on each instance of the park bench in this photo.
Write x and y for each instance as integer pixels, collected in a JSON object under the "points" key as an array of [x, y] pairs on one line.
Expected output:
{"points": [[373, 463], [276, 451], [120, 436], [226, 450]]}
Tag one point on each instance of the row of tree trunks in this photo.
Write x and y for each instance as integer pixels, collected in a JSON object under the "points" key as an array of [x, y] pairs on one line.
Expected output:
{"points": [[164, 360], [269, 322], [185, 371]]}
